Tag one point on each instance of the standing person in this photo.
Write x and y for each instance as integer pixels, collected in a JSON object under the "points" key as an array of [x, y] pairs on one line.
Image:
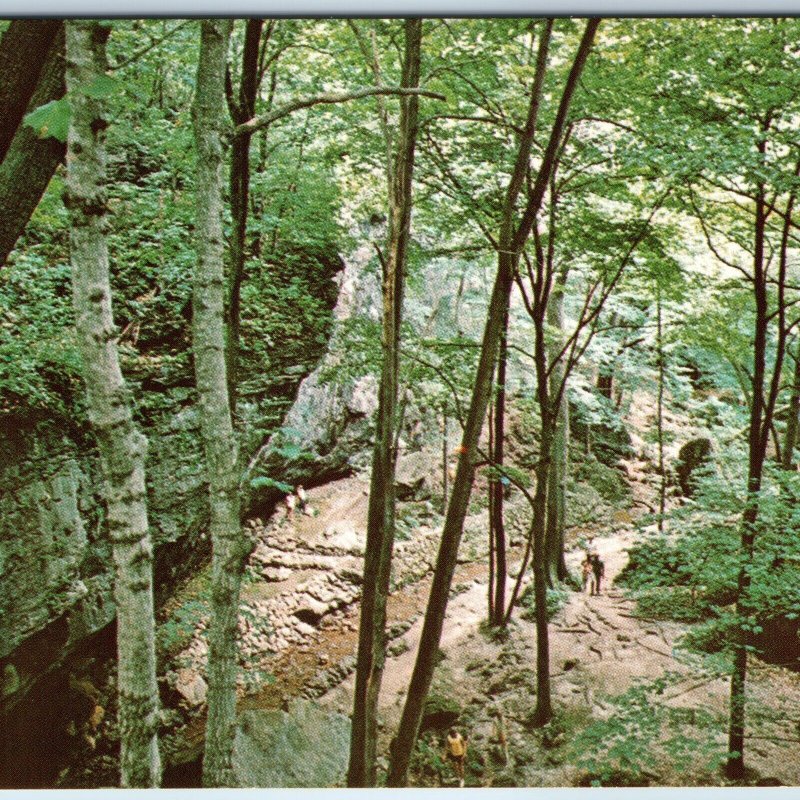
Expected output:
{"points": [[302, 499], [598, 571], [587, 574], [291, 503], [457, 753]]}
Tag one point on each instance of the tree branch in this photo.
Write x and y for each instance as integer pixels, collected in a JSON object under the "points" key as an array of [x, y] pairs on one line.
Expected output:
{"points": [[329, 98]]}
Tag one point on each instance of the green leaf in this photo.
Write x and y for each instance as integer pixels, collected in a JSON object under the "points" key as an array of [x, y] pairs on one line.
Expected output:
{"points": [[101, 87], [51, 119], [264, 483]]}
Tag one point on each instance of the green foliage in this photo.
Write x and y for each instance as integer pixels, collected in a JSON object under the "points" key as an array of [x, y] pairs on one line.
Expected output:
{"points": [[557, 598], [269, 483], [51, 119], [178, 629], [642, 732]]}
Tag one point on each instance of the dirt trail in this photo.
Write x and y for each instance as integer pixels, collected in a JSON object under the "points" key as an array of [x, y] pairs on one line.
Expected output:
{"points": [[598, 647]]}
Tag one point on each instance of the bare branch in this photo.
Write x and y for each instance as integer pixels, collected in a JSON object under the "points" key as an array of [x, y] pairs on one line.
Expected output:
{"points": [[328, 98]]}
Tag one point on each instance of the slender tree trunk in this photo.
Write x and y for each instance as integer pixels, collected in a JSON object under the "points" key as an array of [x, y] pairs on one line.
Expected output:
{"points": [[662, 488], [242, 109], [451, 537], [230, 546], [510, 243], [790, 437], [381, 510], [492, 518], [757, 450], [29, 161], [122, 447], [445, 465], [496, 487], [559, 464]]}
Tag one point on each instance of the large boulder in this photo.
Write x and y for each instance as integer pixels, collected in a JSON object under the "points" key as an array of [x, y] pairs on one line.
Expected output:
{"points": [[304, 747]]}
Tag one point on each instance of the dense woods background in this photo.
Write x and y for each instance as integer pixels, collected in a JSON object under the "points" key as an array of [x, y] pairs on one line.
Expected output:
{"points": [[497, 293]]}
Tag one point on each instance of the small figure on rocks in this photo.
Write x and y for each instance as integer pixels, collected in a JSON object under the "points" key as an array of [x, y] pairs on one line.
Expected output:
{"points": [[598, 572], [291, 504], [303, 505], [586, 573], [457, 753]]}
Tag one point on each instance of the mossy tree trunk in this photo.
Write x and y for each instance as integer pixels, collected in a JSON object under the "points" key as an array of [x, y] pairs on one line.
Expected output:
{"points": [[230, 545], [121, 446], [381, 510]]}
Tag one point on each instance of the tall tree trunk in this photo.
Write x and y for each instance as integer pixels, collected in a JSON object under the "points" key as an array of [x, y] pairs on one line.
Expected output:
{"points": [[510, 243], [790, 437], [230, 546], [757, 439], [559, 463], [29, 161], [496, 486], [242, 109], [381, 510], [490, 510], [445, 458], [122, 447], [21, 62], [662, 473]]}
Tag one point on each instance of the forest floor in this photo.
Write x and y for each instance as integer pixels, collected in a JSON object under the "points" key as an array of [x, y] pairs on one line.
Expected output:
{"points": [[301, 599], [599, 649]]}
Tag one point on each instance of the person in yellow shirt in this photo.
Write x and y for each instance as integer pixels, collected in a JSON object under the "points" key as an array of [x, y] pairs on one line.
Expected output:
{"points": [[457, 753]]}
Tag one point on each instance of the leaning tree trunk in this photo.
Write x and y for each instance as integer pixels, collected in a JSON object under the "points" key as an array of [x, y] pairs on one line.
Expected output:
{"points": [[381, 511], [230, 546], [21, 62], [122, 448], [30, 161], [510, 243]]}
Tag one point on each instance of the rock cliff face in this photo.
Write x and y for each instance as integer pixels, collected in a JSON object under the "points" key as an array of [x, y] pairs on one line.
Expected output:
{"points": [[332, 419], [55, 561]]}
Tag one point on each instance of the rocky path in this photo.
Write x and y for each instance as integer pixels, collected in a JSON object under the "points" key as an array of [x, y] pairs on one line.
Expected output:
{"points": [[301, 617]]}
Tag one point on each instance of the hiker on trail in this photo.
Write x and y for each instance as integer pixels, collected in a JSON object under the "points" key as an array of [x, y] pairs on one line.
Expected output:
{"points": [[457, 753], [302, 499], [598, 571], [291, 504], [586, 573]]}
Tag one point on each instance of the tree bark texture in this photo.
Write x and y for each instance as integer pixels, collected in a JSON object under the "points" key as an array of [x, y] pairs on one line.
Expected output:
{"points": [[790, 437], [498, 604], [29, 162], [23, 49], [510, 243], [122, 447], [757, 439], [559, 464], [381, 510], [662, 472], [229, 544], [242, 109]]}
